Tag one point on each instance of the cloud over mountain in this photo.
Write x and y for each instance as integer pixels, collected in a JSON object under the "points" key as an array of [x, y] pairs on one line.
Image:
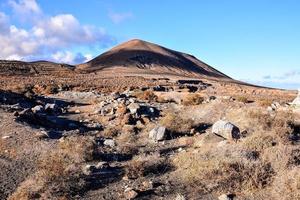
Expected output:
{"points": [[46, 35]]}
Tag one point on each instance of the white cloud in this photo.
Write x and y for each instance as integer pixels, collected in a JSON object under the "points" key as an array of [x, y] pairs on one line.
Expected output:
{"points": [[47, 35], [65, 29], [69, 57], [119, 17], [24, 7]]}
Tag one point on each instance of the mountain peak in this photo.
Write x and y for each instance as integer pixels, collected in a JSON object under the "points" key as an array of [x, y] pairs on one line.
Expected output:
{"points": [[144, 57]]}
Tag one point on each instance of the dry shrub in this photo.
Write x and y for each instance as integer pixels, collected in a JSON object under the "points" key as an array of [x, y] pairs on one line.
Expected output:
{"points": [[175, 123], [242, 99], [286, 186], [265, 102], [192, 99], [146, 95], [110, 132], [281, 123], [282, 157], [59, 173], [221, 171], [22, 89], [6, 150], [259, 142], [147, 165], [51, 89]]}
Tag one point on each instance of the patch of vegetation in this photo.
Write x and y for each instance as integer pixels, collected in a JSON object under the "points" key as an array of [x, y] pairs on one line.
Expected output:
{"points": [[192, 99], [59, 173], [219, 172], [147, 95], [176, 124]]}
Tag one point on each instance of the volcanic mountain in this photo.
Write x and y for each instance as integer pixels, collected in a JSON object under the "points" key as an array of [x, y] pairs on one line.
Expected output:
{"points": [[137, 56]]}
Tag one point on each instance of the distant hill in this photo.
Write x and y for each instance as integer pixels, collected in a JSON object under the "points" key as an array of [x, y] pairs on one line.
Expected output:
{"points": [[141, 56], [33, 68]]}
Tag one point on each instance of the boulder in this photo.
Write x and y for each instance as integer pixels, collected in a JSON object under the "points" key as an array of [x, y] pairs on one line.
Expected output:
{"points": [[158, 133], [226, 129], [296, 101]]}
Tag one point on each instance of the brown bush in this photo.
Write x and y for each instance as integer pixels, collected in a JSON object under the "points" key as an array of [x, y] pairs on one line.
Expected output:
{"points": [[146, 95], [192, 99], [281, 124], [146, 165], [242, 99], [110, 132], [59, 173], [51, 89], [265, 102], [286, 186], [259, 142], [175, 123], [223, 171]]}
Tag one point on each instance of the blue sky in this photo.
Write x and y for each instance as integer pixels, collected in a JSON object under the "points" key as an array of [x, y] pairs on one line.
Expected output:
{"points": [[256, 41]]}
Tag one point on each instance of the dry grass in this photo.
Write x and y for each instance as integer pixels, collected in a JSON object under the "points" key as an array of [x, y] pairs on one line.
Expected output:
{"points": [[110, 132], [146, 95], [147, 165], [242, 99], [59, 173], [286, 186], [281, 124], [192, 99], [175, 123], [265, 102], [222, 171], [259, 142]]}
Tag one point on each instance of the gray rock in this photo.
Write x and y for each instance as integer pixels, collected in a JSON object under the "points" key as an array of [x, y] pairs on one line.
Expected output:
{"points": [[88, 169], [226, 197], [158, 133], [37, 109], [102, 165], [296, 101], [109, 142], [130, 193], [52, 107], [226, 129], [133, 108]]}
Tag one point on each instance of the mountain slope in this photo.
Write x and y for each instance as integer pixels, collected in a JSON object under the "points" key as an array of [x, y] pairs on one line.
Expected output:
{"points": [[33, 68], [142, 56]]}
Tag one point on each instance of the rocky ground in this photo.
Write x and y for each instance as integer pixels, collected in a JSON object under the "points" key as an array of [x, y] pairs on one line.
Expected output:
{"points": [[97, 137]]}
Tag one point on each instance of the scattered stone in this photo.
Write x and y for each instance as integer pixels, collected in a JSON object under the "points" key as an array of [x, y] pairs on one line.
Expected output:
{"points": [[148, 185], [6, 137], [37, 109], [133, 108], [88, 169], [102, 165], [51, 107], [211, 98], [227, 197], [226, 129], [130, 193], [42, 134], [296, 101], [77, 111], [180, 197], [158, 133], [109, 142]]}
